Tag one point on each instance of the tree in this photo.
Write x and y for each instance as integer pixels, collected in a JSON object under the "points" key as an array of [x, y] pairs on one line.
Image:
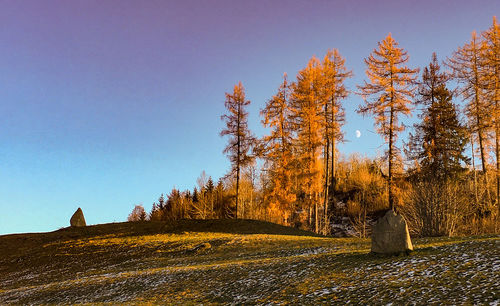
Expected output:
{"points": [[334, 74], [278, 151], [491, 57], [158, 209], [137, 214], [440, 139], [468, 69], [240, 138], [201, 206], [307, 117], [204, 199], [173, 209], [220, 207], [392, 88], [210, 189]]}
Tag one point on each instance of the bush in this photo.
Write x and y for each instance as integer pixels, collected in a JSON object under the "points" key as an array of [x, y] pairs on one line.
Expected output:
{"points": [[437, 208]]}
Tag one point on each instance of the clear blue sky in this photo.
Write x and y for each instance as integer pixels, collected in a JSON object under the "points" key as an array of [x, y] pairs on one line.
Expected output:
{"points": [[106, 104]]}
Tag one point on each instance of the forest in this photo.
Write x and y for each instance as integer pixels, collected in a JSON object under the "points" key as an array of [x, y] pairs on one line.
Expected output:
{"points": [[444, 178]]}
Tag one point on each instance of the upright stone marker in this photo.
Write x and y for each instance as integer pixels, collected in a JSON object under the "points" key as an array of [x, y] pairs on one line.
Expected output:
{"points": [[78, 220], [390, 235]]}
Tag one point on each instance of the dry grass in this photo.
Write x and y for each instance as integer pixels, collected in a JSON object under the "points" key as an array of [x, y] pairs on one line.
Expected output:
{"points": [[237, 261]]}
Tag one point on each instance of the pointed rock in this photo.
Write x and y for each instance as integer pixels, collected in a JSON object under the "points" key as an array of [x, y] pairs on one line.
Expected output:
{"points": [[390, 235], [78, 220]]}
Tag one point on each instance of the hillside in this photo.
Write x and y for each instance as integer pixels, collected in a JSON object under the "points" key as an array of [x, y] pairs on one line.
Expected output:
{"points": [[235, 261]]}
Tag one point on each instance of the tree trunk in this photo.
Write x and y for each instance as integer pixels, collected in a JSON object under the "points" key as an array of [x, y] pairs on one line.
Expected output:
{"points": [[391, 196], [238, 162], [333, 180], [316, 217], [310, 212], [364, 216], [497, 143], [391, 132], [325, 200], [474, 169], [497, 153], [480, 131], [497, 134]]}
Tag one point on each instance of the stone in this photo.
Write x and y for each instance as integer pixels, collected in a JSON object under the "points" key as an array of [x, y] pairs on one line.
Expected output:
{"points": [[390, 235], [78, 220]]}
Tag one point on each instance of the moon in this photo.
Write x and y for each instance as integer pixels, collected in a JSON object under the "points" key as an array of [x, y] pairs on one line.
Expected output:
{"points": [[358, 134]]}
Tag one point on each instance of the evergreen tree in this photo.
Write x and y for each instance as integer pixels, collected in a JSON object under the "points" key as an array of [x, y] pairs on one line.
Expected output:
{"points": [[173, 206], [240, 138], [219, 206], [440, 139], [195, 195], [210, 189], [154, 215], [210, 185], [161, 202], [392, 88]]}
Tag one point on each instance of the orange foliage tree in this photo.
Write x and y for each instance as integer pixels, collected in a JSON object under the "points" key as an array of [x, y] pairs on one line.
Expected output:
{"points": [[278, 152], [491, 58], [468, 69], [334, 73], [387, 95], [241, 139], [307, 117]]}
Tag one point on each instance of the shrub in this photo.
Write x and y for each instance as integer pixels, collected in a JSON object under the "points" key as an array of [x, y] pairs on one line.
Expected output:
{"points": [[437, 208]]}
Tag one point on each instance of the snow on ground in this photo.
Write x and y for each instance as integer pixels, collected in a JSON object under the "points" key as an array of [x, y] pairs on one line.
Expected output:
{"points": [[258, 269]]}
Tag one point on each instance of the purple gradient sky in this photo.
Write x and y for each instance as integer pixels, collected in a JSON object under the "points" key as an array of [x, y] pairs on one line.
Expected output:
{"points": [[106, 104]]}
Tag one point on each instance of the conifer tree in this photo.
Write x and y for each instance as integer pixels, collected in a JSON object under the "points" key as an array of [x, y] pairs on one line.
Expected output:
{"points": [[240, 138], [391, 87], [468, 69], [440, 139], [334, 74], [491, 58], [220, 208], [278, 150], [307, 117]]}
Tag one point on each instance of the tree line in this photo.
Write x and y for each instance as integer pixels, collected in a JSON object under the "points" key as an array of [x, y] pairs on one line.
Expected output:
{"points": [[304, 181]]}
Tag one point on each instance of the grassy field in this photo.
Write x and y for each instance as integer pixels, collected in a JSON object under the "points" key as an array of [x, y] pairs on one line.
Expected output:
{"points": [[239, 261]]}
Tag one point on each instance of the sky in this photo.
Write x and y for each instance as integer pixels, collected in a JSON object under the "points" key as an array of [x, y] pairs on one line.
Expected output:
{"points": [[108, 104]]}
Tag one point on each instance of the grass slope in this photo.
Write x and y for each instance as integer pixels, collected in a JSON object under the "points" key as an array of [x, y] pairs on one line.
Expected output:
{"points": [[238, 261]]}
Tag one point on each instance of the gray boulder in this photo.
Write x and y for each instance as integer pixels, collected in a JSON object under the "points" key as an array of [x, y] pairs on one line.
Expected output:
{"points": [[390, 235], [78, 220]]}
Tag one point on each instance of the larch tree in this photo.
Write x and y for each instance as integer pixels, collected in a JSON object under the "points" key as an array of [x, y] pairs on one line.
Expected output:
{"points": [[440, 139], [468, 69], [387, 95], [307, 119], [491, 57], [278, 151], [241, 139], [334, 73]]}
